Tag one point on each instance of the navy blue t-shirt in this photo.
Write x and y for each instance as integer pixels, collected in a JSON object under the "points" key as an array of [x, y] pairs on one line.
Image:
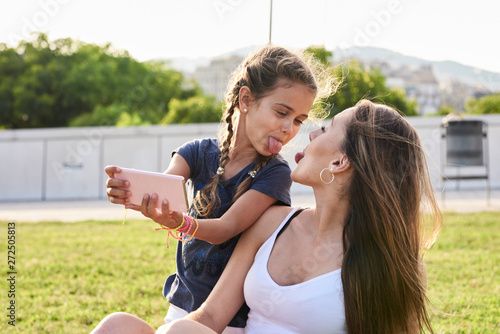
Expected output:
{"points": [[200, 263]]}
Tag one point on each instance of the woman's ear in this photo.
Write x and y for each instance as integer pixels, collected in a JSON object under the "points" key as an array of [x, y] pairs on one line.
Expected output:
{"points": [[245, 99], [340, 165]]}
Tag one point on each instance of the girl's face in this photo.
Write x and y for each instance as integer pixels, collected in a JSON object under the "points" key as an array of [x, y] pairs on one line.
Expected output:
{"points": [[325, 146], [276, 118]]}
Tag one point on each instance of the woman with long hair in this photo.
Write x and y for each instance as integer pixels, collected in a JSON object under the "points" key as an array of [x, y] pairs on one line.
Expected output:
{"points": [[353, 264]]}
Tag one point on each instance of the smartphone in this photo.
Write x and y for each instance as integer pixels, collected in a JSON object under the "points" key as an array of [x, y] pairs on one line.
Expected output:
{"points": [[166, 186]]}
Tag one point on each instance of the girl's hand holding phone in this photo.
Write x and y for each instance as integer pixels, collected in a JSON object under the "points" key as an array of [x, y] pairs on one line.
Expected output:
{"points": [[117, 190], [164, 216]]}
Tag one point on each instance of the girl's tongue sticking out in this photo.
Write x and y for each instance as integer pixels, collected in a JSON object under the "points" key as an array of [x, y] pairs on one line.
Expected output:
{"points": [[274, 145]]}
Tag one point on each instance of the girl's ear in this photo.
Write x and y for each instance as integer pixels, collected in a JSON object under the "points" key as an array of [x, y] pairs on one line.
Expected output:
{"points": [[340, 165], [245, 98]]}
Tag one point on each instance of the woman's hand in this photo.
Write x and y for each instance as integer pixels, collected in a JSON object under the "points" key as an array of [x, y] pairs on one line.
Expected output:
{"points": [[165, 217], [117, 190]]}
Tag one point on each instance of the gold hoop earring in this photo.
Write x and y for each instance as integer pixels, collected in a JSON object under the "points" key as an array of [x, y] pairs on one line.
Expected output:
{"points": [[321, 176]]}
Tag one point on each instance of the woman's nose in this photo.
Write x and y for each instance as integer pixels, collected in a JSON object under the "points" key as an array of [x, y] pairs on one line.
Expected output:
{"points": [[313, 134]]}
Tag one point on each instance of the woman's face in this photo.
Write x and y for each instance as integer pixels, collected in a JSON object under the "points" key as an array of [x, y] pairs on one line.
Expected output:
{"points": [[276, 118], [325, 146]]}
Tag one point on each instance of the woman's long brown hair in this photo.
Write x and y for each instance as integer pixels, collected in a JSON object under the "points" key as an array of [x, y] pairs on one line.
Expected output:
{"points": [[385, 231]]}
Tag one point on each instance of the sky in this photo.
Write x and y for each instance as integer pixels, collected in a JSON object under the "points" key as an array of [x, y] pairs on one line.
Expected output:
{"points": [[462, 31]]}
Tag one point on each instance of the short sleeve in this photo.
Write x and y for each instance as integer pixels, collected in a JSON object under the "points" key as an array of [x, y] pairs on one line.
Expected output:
{"points": [[199, 154], [274, 180]]}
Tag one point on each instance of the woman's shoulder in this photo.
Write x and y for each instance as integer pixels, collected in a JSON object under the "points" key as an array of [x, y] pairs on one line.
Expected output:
{"points": [[268, 223], [276, 213]]}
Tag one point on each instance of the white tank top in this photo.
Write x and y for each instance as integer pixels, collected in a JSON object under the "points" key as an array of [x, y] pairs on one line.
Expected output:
{"points": [[313, 306]]}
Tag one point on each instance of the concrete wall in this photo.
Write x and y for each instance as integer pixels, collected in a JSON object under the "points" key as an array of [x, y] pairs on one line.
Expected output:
{"points": [[68, 163]]}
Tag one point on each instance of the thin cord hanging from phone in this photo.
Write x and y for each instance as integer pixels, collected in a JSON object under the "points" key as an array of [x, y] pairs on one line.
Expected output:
{"points": [[124, 217]]}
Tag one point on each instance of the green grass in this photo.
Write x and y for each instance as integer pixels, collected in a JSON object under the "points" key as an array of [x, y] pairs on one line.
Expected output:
{"points": [[71, 275], [463, 271]]}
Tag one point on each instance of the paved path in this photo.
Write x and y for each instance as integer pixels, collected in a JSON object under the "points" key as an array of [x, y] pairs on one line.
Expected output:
{"points": [[71, 211]]}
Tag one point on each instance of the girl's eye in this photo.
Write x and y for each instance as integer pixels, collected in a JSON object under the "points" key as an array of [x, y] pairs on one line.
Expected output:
{"points": [[281, 113], [298, 121]]}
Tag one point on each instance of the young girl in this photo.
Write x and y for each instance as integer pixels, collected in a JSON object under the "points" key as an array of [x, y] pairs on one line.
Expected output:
{"points": [[235, 179]]}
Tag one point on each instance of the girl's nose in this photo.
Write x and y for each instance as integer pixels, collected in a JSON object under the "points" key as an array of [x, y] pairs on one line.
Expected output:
{"points": [[286, 127]]}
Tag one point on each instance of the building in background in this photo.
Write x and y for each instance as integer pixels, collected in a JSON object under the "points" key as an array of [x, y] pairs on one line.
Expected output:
{"points": [[419, 83], [422, 82], [455, 93], [213, 78]]}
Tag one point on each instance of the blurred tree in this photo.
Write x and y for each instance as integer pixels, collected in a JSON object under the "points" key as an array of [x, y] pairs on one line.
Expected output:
{"points": [[320, 53], [445, 110], [360, 83], [113, 114], [28, 90], [52, 84], [11, 67], [197, 109], [489, 104]]}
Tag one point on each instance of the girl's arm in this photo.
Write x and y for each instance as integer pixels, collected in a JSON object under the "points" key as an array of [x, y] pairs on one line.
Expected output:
{"points": [[240, 216], [227, 296], [178, 166]]}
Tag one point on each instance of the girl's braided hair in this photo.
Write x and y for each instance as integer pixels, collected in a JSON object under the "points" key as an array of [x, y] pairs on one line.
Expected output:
{"points": [[261, 73]]}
